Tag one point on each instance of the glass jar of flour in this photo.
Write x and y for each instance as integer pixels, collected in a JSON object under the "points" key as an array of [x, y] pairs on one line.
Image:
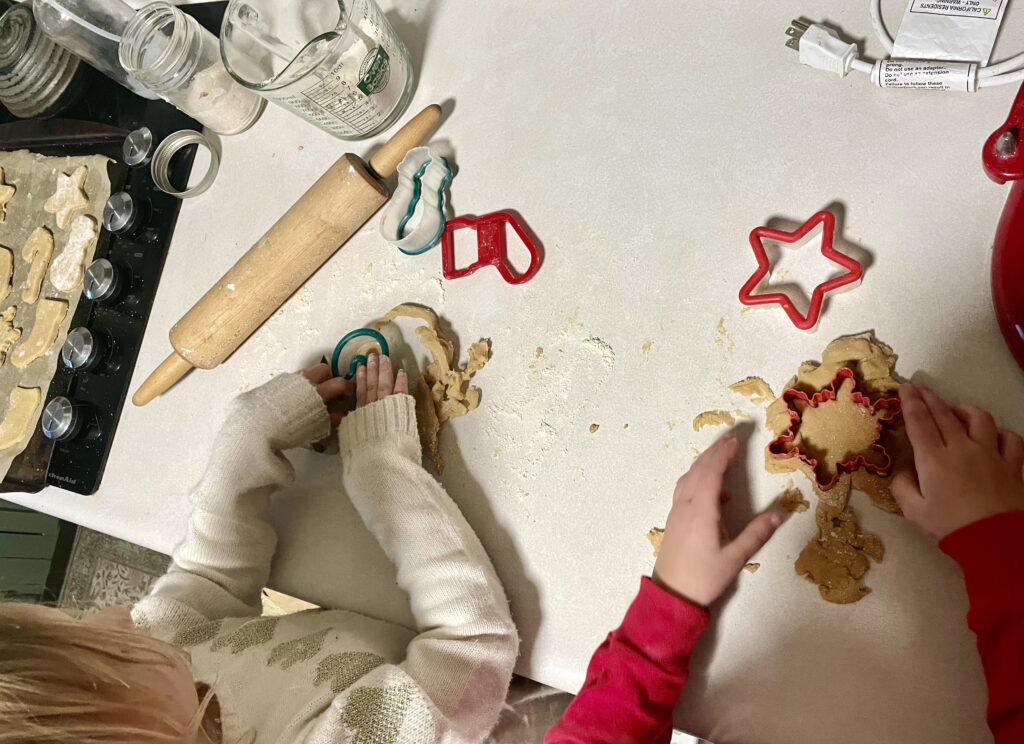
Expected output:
{"points": [[336, 63]]}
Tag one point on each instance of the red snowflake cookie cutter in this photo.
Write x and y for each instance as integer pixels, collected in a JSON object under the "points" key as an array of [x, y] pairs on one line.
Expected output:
{"points": [[854, 269], [792, 395]]}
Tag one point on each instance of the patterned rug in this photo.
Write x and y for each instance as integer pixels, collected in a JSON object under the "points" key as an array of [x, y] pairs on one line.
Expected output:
{"points": [[105, 572]]}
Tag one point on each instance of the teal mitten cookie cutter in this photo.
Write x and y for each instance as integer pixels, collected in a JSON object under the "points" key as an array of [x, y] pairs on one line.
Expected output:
{"points": [[360, 358], [423, 177]]}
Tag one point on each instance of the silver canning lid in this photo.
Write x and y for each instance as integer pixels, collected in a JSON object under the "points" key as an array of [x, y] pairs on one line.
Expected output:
{"points": [[138, 147], [160, 167], [58, 419]]}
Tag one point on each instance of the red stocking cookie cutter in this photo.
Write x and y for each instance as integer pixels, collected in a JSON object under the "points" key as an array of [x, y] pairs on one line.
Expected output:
{"points": [[854, 270], [797, 399], [492, 247]]}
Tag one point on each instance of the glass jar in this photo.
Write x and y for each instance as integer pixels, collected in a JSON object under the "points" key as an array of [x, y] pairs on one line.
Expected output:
{"points": [[337, 63], [37, 77], [91, 29], [179, 60]]}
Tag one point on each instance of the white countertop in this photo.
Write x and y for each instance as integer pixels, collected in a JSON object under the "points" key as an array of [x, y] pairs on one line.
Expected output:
{"points": [[641, 142]]}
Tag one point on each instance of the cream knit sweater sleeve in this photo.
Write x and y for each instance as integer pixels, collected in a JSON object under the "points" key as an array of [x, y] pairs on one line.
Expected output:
{"points": [[222, 565], [466, 646]]}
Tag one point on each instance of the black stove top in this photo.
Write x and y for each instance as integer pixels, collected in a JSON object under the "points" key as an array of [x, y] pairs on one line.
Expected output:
{"points": [[114, 324]]}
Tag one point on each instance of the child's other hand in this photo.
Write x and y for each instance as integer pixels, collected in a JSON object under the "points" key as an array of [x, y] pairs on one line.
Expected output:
{"points": [[334, 391], [697, 561], [966, 467], [377, 381]]}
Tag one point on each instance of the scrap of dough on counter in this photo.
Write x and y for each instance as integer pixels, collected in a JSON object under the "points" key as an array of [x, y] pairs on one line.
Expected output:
{"points": [[69, 198], [49, 315], [9, 333], [713, 418], [19, 416], [68, 269], [654, 536], [793, 501], [444, 391], [755, 389], [38, 249], [836, 558], [7, 192], [752, 567], [6, 271]]}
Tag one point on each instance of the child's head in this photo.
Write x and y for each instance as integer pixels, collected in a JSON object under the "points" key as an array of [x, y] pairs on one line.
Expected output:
{"points": [[98, 680]]}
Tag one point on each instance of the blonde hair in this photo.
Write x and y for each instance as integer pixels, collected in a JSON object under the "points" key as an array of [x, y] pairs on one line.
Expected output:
{"points": [[62, 682]]}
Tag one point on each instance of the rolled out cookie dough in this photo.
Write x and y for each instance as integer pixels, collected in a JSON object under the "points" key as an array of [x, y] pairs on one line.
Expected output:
{"points": [[755, 389], [9, 333], [837, 559], [19, 416], [68, 269], [713, 418], [69, 198], [6, 194], [443, 391], [49, 315], [38, 250], [6, 271]]}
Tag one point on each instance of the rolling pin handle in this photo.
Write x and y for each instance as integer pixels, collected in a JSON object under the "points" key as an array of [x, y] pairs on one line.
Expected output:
{"points": [[385, 161], [171, 369]]}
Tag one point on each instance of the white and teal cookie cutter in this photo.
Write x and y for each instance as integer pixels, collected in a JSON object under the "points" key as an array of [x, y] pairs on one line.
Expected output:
{"points": [[423, 177]]}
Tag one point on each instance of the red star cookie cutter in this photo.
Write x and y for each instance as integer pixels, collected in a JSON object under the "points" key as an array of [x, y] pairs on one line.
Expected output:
{"points": [[854, 269], [797, 398]]}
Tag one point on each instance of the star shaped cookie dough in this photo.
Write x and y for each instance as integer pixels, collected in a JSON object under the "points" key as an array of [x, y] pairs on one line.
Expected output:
{"points": [[69, 198], [6, 194]]}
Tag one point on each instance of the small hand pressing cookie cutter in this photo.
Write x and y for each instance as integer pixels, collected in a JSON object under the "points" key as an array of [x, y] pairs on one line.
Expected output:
{"points": [[492, 247], [854, 269], [423, 177], [359, 359], [794, 397]]}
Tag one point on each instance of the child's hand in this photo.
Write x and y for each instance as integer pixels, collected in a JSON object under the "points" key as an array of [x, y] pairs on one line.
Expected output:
{"points": [[696, 560], [334, 391], [377, 381], [967, 468]]}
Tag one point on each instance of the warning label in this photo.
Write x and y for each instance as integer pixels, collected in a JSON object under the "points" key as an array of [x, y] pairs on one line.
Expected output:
{"points": [[987, 9]]}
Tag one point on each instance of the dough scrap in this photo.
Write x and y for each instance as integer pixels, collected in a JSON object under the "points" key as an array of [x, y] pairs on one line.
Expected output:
{"points": [[9, 333], [20, 416], [443, 391], [837, 557], [594, 428], [70, 196], [757, 390], [49, 315], [6, 194], [6, 271], [793, 501], [654, 536], [752, 567], [68, 269], [713, 418], [38, 249]]}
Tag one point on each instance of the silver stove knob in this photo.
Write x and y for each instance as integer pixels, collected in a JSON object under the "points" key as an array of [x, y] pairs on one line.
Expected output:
{"points": [[61, 419], [81, 350], [138, 147], [121, 214], [102, 281]]}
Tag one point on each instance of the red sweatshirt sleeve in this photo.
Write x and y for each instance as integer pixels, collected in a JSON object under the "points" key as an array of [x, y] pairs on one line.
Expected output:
{"points": [[635, 676], [991, 554]]}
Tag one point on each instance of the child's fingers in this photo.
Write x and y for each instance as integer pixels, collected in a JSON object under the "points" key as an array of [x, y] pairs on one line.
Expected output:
{"points": [[402, 383], [704, 481], [336, 388], [372, 377], [921, 428], [386, 381], [950, 427], [318, 373], [360, 386], [981, 427], [754, 536], [907, 492], [1011, 447]]}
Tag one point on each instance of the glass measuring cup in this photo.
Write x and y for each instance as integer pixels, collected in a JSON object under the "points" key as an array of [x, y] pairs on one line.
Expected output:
{"points": [[336, 63]]}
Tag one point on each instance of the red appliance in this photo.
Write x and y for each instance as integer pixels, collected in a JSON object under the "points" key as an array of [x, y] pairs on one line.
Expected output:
{"points": [[1003, 156]]}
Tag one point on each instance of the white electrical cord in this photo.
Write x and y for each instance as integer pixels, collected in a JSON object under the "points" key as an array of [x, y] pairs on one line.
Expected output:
{"points": [[821, 48]]}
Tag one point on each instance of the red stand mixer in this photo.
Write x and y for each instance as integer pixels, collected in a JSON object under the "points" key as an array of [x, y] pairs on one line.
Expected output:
{"points": [[1003, 156]]}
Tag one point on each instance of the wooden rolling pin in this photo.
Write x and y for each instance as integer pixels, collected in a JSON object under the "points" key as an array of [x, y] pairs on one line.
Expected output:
{"points": [[280, 262]]}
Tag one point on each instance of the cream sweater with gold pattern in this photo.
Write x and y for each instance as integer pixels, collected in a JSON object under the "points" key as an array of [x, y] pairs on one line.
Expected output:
{"points": [[331, 676]]}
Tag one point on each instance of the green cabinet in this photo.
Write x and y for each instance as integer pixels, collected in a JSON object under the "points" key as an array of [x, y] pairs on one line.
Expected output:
{"points": [[34, 550]]}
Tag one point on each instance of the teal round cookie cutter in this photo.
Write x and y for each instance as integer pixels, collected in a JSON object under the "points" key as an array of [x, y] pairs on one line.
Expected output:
{"points": [[360, 358]]}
